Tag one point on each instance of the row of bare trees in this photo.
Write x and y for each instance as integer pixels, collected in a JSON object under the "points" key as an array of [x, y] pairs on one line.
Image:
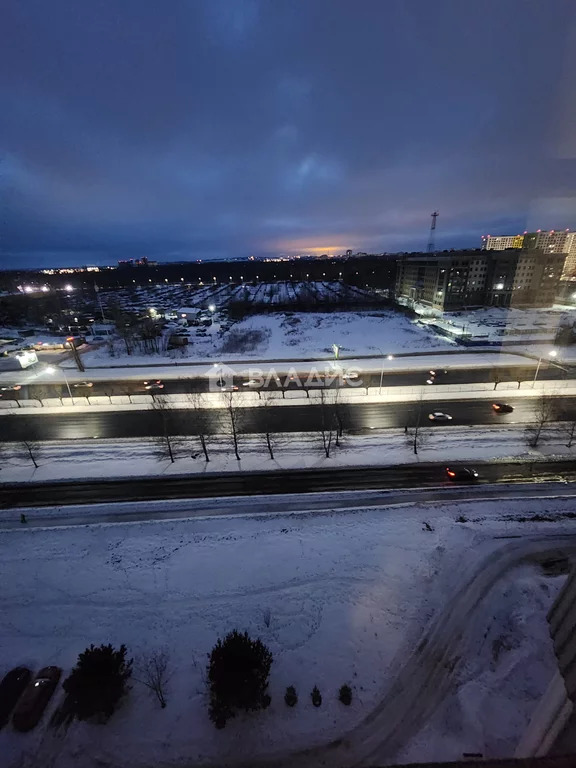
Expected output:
{"points": [[228, 420], [172, 438], [548, 409]]}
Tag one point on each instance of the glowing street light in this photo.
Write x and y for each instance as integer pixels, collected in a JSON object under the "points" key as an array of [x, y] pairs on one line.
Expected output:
{"points": [[552, 354], [50, 369], [388, 357]]}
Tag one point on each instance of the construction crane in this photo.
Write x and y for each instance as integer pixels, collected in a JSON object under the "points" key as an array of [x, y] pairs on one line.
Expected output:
{"points": [[432, 232]]}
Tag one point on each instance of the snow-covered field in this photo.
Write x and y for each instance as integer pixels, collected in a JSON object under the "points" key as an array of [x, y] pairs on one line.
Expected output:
{"points": [[339, 598], [78, 459], [290, 335]]}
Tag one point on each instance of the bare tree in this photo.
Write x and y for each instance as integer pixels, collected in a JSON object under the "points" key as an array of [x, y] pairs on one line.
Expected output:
{"points": [[326, 421], [152, 670], [232, 419], [570, 431], [545, 411], [568, 426], [267, 403], [496, 377], [416, 436], [166, 441], [29, 449], [200, 426], [339, 413]]}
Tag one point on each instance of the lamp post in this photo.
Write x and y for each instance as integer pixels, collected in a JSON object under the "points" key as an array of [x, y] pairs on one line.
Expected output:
{"points": [[551, 354], [52, 370], [388, 357]]}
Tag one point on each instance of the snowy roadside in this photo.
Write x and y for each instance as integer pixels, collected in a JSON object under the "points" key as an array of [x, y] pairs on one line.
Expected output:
{"points": [[139, 369], [250, 399], [129, 458], [337, 599]]}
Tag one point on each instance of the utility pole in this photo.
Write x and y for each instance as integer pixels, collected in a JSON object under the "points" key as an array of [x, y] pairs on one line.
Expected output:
{"points": [[432, 232], [80, 365], [97, 291]]}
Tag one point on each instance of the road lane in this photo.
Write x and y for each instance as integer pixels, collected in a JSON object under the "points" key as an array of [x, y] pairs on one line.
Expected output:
{"points": [[274, 482], [184, 384], [294, 418]]}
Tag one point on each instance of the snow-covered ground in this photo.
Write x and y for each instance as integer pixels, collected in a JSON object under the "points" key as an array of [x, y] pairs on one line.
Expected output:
{"points": [[290, 335], [508, 324], [77, 459], [296, 335], [506, 657], [339, 598]]}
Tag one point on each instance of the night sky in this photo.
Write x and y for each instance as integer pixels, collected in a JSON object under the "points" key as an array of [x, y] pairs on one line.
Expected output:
{"points": [[184, 129]]}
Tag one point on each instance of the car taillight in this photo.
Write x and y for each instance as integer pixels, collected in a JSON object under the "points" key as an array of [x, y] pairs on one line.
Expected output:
{"points": [[450, 473]]}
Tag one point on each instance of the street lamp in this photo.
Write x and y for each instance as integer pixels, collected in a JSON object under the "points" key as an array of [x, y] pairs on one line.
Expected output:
{"points": [[388, 357], [553, 353], [52, 370]]}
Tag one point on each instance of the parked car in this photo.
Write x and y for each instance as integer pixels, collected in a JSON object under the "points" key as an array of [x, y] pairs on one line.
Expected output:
{"points": [[461, 473], [11, 689], [439, 416], [79, 384], [35, 698], [502, 407], [13, 388]]}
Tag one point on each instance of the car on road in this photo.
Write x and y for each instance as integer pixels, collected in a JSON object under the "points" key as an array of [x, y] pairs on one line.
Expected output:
{"points": [[153, 386], [79, 384], [252, 383], [13, 388], [502, 408], [439, 416], [35, 698], [11, 689], [227, 387], [461, 474]]}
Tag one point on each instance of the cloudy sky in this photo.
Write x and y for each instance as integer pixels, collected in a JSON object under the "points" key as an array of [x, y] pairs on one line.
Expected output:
{"points": [[213, 128]]}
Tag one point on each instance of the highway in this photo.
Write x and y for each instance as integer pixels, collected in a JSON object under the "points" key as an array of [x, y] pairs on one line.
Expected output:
{"points": [[293, 418], [44, 388], [17, 495]]}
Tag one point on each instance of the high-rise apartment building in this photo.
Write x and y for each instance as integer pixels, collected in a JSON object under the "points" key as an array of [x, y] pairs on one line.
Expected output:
{"points": [[501, 242], [455, 279], [547, 241]]}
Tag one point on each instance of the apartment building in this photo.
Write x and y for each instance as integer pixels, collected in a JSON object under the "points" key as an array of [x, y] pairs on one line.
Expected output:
{"points": [[456, 279], [548, 241]]}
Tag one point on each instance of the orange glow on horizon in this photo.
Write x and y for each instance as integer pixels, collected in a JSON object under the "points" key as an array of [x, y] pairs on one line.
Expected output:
{"points": [[304, 246]]}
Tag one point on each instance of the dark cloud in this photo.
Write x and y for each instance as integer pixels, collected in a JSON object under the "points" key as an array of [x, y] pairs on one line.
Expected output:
{"points": [[205, 129]]}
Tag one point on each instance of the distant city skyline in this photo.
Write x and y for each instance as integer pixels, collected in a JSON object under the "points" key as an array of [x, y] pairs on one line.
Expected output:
{"points": [[219, 130]]}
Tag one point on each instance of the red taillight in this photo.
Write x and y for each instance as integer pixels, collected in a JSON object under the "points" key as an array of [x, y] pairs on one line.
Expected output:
{"points": [[450, 473]]}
